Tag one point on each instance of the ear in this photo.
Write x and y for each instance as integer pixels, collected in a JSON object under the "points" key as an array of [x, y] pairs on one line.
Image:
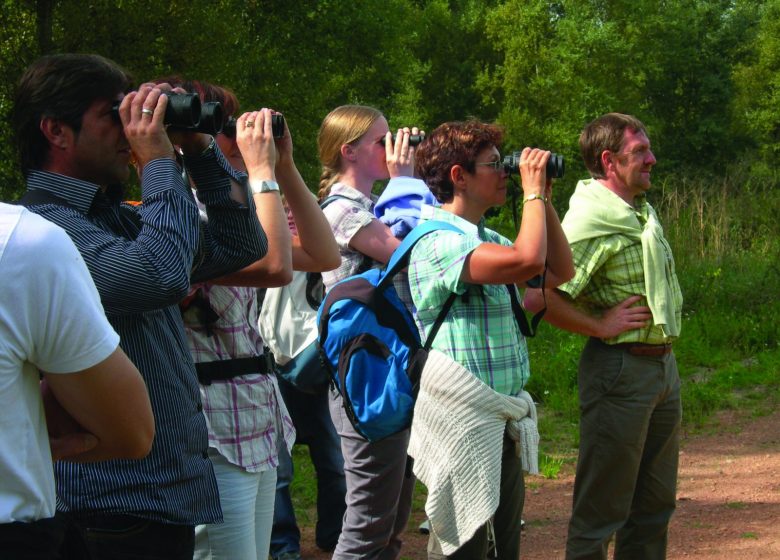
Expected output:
{"points": [[348, 152], [607, 161], [458, 178], [59, 134]]}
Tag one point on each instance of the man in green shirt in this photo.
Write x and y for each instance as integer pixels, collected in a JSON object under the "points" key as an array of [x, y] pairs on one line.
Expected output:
{"points": [[626, 298]]}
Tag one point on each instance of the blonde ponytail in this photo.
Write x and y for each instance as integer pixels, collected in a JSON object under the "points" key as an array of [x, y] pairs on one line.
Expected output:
{"points": [[327, 178]]}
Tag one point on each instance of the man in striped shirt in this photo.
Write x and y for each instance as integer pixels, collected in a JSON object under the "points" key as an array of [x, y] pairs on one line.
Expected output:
{"points": [[626, 298], [75, 147]]}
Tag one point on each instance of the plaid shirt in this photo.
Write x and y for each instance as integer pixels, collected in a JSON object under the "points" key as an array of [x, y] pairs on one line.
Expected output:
{"points": [[609, 269], [245, 415], [480, 332]]}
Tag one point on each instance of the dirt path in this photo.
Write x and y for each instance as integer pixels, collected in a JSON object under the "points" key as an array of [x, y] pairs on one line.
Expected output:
{"points": [[728, 499]]}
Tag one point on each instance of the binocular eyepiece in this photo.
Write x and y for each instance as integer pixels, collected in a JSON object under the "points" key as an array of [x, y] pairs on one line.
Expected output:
{"points": [[554, 169], [277, 126], [185, 112]]}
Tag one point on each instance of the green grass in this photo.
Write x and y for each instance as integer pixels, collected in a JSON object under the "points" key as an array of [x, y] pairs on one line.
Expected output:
{"points": [[736, 505]]}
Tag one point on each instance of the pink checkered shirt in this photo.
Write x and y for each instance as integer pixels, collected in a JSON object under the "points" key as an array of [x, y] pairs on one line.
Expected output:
{"points": [[245, 415]]}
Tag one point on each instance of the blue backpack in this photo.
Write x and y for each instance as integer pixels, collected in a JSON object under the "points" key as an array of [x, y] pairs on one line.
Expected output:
{"points": [[371, 346]]}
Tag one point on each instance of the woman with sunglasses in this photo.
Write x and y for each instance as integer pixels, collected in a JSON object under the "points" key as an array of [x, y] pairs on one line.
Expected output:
{"points": [[474, 377], [356, 149]]}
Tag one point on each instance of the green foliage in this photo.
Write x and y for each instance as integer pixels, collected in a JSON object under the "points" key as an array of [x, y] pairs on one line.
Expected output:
{"points": [[549, 467], [702, 75], [757, 78]]}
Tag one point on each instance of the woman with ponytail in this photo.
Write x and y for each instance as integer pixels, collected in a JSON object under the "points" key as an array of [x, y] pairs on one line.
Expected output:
{"points": [[356, 149]]}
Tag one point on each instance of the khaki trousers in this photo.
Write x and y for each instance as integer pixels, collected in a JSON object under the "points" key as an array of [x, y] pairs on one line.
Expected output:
{"points": [[629, 443]]}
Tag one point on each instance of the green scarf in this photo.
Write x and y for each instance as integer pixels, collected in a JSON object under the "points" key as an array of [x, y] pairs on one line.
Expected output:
{"points": [[595, 211]]}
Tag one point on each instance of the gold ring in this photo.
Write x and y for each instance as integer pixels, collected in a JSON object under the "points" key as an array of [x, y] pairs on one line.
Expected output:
{"points": [[146, 111], [250, 124]]}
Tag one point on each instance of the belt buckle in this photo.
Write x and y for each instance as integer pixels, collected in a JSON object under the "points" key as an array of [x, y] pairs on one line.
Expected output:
{"points": [[270, 363]]}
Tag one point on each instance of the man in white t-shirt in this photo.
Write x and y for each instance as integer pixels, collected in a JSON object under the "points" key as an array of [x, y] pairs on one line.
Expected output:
{"points": [[96, 403]]}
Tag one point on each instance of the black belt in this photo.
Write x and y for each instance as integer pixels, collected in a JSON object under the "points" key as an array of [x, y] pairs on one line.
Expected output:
{"points": [[221, 370], [642, 349]]}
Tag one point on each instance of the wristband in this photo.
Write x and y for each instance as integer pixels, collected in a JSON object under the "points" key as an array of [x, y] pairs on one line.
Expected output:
{"points": [[531, 197]]}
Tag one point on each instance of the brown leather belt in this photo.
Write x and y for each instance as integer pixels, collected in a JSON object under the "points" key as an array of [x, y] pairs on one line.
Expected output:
{"points": [[640, 349]]}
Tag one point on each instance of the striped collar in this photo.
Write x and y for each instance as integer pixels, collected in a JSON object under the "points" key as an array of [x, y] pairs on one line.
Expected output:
{"points": [[81, 195]]}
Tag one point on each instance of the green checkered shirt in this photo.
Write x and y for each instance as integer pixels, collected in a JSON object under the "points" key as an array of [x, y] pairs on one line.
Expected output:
{"points": [[608, 270], [480, 331]]}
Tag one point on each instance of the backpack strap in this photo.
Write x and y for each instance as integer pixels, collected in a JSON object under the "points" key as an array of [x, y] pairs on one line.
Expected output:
{"points": [[331, 198], [400, 257], [439, 320]]}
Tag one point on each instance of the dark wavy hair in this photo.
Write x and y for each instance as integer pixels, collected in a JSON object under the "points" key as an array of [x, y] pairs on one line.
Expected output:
{"points": [[63, 87], [453, 143]]}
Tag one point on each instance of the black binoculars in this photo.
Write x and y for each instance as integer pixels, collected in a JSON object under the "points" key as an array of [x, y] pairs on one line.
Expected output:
{"points": [[414, 139], [554, 170], [277, 126], [185, 112]]}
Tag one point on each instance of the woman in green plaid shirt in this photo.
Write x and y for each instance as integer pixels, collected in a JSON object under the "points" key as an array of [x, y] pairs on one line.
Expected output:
{"points": [[462, 167]]}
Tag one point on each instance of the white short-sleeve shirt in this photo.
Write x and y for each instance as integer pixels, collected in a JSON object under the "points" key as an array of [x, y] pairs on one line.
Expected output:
{"points": [[50, 319]]}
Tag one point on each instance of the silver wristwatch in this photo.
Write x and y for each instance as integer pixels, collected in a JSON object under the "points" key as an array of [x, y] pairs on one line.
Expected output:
{"points": [[263, 186]]}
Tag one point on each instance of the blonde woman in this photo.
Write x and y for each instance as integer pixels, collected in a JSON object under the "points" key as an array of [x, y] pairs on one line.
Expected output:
{"points": [[356, 149]]}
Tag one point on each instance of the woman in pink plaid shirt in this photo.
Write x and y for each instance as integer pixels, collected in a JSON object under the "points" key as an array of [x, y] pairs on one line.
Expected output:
{"points": [[244, 409]]}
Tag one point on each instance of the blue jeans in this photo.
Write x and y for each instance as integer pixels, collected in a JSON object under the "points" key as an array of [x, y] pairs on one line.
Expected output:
{"points": [[314, 427], [247, 508]]}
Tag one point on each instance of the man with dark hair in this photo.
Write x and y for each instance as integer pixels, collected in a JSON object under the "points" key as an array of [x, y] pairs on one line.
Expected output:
{"points": [[77, 132], [626, 298]]}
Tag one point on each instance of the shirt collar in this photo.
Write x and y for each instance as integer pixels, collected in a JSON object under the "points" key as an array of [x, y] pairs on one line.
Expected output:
{"points": [[428, 212], [79, 194], [351, 193]]}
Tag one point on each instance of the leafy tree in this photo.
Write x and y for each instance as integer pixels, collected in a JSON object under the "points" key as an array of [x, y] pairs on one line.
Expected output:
{"points": [[757, 102]]}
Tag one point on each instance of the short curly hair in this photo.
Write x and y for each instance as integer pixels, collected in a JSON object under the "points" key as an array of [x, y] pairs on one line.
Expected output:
{"points": [[453, 143]]}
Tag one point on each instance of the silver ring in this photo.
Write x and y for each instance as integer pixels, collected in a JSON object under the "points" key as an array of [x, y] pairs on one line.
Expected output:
{"points": [[146, 111]]}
